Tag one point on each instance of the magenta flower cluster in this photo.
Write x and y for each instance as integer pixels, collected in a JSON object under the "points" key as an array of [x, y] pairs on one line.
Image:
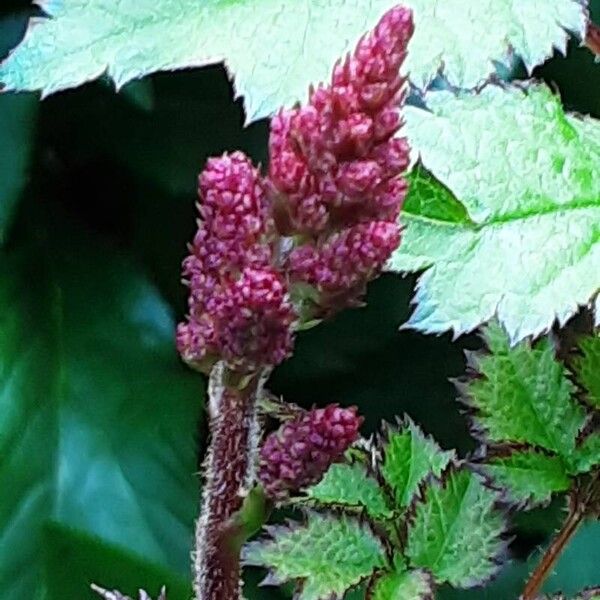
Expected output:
{"points": [[300, 452], [240, 308], [302, 242]]}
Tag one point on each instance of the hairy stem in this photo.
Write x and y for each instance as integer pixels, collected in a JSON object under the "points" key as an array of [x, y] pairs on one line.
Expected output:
{"points": [[229, 473]]}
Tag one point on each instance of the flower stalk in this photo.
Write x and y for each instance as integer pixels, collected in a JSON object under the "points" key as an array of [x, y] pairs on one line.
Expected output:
{"points": [[229, 473], [276, 253]]}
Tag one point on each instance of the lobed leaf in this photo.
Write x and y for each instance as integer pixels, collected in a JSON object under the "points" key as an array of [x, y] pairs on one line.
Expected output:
{"points": [[409, 457], [274, 49], [587, 369], [350, 486], [456, 530], [329, 554], [529, 476], [402, 584], [513, 171], [523, 395]]}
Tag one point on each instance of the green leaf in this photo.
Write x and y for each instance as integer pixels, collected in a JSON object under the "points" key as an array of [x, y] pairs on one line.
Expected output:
{"points": [[525, 173], [587, 369], [455, 531], [402, 584], [468, 36], [275, 50], [409, 457], [529, 476], [350, 486], [95, 408], [523, 395], [73, 559], [576, 567], [587, 454], [329, 554]]}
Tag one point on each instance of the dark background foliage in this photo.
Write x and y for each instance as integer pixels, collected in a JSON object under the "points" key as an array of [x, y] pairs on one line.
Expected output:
{"points": [[100, 425]]}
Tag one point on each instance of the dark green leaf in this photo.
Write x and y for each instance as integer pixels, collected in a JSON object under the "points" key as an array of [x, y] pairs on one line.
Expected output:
{"points": [[74, 559], [98, 417], [587, 453]]}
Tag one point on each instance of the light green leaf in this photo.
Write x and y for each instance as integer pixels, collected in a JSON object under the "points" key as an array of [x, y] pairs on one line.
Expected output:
{"points": [[409, 457], [587, 454], [329, 554], [587, 369], [95, 408], [455, 531], [529, 477], [463, 37], [525, 173], [275, 50], [523, 395], [350, 486], [401, 584]]}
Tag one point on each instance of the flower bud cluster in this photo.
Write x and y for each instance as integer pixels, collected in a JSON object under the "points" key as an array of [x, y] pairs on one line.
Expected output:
{"points": [[299, 453], [335, 166], [326, 216], [239, 307]]}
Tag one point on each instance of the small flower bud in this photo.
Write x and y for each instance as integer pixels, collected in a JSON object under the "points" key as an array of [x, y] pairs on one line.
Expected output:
{"points": [[300, 452]]}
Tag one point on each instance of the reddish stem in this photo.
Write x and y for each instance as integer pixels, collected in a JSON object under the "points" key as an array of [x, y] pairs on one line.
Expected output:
{"points": [[229, 469], [583, 500], [541, 572]]}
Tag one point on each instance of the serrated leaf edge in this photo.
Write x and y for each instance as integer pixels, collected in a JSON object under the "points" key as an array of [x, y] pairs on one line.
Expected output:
{"points": [[504, 539], [272, 531]]}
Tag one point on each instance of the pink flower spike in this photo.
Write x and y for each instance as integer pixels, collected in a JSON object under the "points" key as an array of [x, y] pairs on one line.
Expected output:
{"points": [[301, 451], [340, 145]]}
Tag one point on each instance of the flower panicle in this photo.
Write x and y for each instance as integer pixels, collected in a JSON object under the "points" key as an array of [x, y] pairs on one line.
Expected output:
{"points": [[324, 216]]}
